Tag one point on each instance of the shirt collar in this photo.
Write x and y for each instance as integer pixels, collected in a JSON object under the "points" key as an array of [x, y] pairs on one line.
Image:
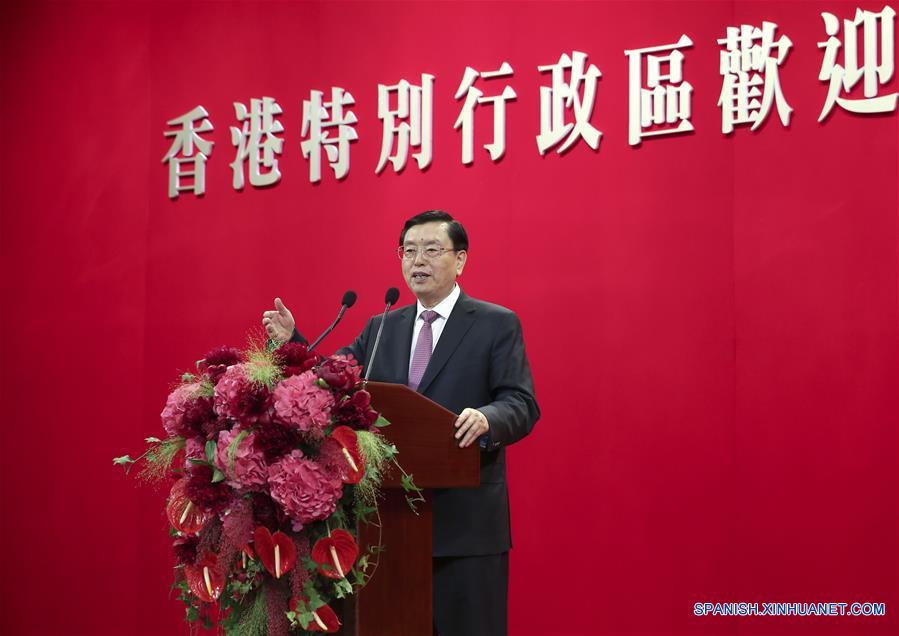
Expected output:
{"points": [[445, 307]]}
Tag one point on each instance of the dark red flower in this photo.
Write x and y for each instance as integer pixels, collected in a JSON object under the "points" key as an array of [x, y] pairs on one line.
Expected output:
{"points": [[341, 373], [239, 398], [211, 428], [294, 358], [254, 402], [185, 548], [355, 411], [275, 439], [222, 355], [265, 512], [198, 414], [207, 495], [217, 361]]}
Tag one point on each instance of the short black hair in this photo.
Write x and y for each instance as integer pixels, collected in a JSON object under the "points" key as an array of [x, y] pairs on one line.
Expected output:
{"points": [[456, 232]]}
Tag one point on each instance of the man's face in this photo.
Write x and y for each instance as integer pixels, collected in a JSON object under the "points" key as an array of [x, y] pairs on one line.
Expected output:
{"points": [[431, 279]]}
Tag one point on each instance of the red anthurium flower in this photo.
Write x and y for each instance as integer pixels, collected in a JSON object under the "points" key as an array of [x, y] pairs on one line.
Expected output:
{"points": [[337, 551], [183, 514], [276, 551], [205, 580], [324, 620], [349, 445]]}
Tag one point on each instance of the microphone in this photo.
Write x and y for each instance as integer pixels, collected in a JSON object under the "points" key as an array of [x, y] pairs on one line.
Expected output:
{"points": [[349, 299], [390, 298]]}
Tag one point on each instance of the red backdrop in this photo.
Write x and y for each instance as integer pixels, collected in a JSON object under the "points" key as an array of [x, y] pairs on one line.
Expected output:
{"points": [[711, 320]]}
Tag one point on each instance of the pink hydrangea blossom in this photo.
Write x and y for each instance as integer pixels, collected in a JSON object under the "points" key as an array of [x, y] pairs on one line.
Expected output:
{"points": [[301, 402], [177, 402], [304, 488], [231, 386], [194, 448], [244, 465], [239, 398]]}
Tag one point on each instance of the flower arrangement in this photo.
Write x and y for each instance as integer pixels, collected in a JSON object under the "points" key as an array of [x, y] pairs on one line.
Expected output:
{"points": [[276, 457]]}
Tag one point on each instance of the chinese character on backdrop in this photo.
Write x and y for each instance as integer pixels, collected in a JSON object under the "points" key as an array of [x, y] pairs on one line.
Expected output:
{"points": [[320, 119], [193, 151], [877, 40], [752, 60], [666, 99], [256, 141], [474, 97], [415, 104], [562, 96]]}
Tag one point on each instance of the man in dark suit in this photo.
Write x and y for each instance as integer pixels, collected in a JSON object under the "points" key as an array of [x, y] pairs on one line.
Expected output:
{"points": [[467, 355]]}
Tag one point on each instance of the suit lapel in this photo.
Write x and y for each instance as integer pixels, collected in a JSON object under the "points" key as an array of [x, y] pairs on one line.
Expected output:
{"points": [[457, 325], [397, 341]]}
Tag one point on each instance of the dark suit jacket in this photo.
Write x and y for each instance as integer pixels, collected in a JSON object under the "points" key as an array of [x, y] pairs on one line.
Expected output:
{"points": [[479, 362]]}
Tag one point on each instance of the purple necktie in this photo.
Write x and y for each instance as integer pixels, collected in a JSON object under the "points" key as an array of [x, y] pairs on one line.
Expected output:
{"points": [[423, 347]]}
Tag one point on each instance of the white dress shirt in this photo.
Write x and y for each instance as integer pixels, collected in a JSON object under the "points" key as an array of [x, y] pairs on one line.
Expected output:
{"points": [[444, 308]]}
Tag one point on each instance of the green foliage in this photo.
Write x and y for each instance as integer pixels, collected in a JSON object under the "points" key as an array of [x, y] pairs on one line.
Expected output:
{"points": [[342, 588], [158, 458], [303, 616], [261, 366], [232, 447], [359, 572], [252, 619], [192, 607], [315, 599], [415, 494], [382, 421], [377, 453], [239, 603], [408, 485], [210, 452]]}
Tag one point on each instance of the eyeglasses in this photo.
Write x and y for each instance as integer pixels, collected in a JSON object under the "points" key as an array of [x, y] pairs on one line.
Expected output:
{"points": [[430, 253]]}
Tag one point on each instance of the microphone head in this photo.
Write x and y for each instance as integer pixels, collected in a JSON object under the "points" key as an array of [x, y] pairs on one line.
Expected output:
{"points": [[349, 299], [392, 295]]}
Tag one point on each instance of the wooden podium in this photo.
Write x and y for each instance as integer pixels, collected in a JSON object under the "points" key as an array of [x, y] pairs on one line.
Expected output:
{"points": [[397, 599]]}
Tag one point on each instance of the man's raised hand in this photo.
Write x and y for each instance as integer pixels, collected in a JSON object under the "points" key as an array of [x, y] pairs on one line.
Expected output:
{"points": [[279, 323]]}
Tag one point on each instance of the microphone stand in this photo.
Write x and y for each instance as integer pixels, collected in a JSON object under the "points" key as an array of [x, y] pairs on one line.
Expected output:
{"points": [[374, 349], [343, 309]]}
